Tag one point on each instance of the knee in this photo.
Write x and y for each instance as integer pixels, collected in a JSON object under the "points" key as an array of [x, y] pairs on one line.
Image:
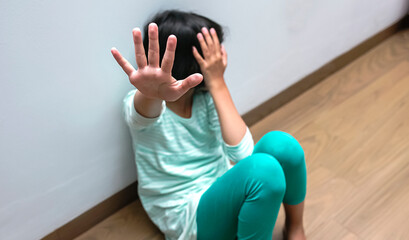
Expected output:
{"points": [[264, 170], [282, 146]]}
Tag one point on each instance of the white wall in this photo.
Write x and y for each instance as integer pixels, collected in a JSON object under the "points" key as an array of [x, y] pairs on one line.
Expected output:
{"points": [[63, 145]]}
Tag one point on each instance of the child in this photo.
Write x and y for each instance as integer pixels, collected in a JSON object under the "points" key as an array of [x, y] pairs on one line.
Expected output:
{"points": [[185, 132]]}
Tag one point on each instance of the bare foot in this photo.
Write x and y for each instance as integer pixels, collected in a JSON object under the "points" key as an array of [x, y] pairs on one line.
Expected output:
{"points": [[291, 233]]}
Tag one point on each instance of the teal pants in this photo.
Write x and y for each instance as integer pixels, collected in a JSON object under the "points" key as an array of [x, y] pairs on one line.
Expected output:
{"points": [[244, 202]]}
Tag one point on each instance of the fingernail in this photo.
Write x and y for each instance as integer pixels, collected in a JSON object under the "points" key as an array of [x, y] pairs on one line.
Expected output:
{"points": [[212, 30], [199, 35], [204, 30], [152, 25]]}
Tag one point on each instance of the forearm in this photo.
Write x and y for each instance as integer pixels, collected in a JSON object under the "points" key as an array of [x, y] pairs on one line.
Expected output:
{"points": [[213, 64], [232, 125], [147, 107]]}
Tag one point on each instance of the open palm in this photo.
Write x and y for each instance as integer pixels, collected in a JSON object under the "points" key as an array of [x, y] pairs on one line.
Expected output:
{"points": [[150, 79]]}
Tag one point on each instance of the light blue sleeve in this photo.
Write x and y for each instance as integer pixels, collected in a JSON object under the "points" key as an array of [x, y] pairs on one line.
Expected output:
{"points": [[132, 118], [234, 153], [242, 150]]}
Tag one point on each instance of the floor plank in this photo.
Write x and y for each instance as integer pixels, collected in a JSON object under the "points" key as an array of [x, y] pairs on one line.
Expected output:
{"points": [[131, 223]]}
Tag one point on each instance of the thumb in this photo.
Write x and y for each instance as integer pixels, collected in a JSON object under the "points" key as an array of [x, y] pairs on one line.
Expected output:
{"points": [[191, 81], [180, 87]]}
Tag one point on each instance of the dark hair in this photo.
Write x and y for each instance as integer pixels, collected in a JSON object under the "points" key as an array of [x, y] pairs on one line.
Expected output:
{"points": [[185, 26]]}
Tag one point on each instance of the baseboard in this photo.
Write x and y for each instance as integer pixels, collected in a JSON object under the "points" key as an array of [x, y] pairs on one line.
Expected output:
{"points": [[92, 217], [109, 206], [317, 76]]}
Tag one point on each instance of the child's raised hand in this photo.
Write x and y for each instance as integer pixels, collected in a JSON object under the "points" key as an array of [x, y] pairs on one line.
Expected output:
{"points": [[150, 79], [214, 62]]}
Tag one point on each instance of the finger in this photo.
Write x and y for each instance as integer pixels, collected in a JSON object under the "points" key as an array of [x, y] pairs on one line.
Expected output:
{"points": [[125, 65], [203, 45], [139, 50], [169, 56], [182, 86], [224, 55], [198, 57], [208, 39], [190, 82], [215, 39], [153, 53]]}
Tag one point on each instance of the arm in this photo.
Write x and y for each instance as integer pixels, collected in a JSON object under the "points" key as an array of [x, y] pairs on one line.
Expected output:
{"points": [[155, 83], [147, 107], [231, 124], [213, 66]]}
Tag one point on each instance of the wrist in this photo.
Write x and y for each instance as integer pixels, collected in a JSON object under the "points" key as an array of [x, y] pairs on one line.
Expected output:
{"points": [[216, 85], [145, 98]]}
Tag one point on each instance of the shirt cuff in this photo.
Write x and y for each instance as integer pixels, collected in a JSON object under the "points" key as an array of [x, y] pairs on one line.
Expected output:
{"points": [[135, 119], [241, 150]]}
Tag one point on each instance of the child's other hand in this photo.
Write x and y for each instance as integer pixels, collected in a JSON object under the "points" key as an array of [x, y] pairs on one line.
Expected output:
{"points": [[152, 80], [214, 62]]}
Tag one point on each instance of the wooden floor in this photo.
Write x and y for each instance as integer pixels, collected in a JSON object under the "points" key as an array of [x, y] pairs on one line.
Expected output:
{"points": [[354, 128]]}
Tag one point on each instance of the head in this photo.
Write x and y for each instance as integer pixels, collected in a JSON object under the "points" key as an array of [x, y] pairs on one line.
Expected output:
{"points": [[185, 26]]}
